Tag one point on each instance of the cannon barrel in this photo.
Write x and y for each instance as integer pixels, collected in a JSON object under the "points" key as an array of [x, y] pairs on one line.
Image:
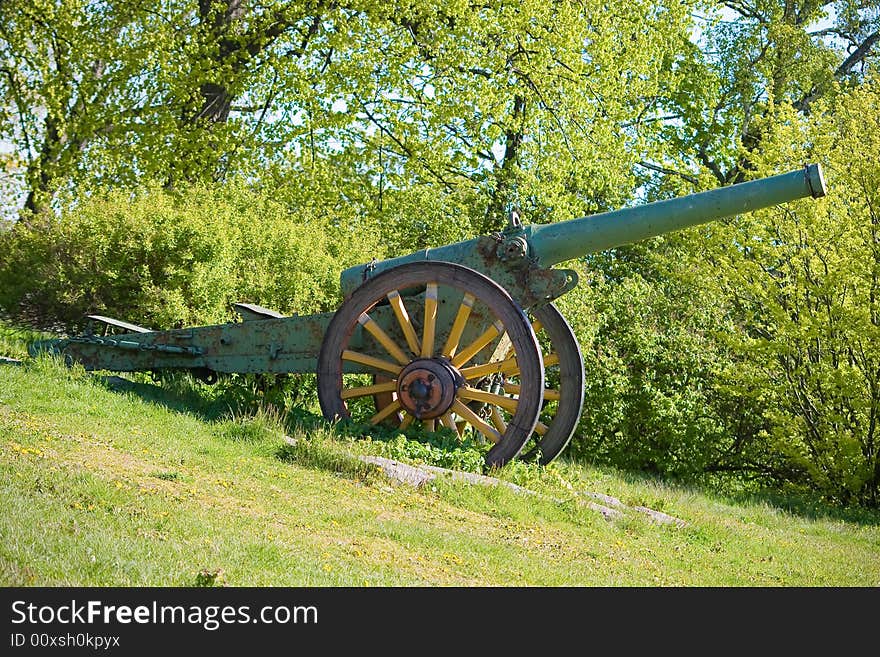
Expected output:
{"points": [[555, 243], [550, 244]]}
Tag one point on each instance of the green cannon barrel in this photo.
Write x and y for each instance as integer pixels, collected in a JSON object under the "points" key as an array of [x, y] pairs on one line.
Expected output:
{"points": [[555, 243], [550, 244]]}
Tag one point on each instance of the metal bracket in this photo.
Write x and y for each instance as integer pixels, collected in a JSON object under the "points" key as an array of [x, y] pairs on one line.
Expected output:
{"points": [[109, 321]]}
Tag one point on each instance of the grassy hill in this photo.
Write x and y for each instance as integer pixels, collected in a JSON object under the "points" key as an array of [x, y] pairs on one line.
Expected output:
{"points": [[153, 486]]}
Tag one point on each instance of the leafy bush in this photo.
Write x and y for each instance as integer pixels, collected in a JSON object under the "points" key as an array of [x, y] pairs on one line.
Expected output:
{"points": [[164, 260], [750, 347], [663, 394], [805, 280]]}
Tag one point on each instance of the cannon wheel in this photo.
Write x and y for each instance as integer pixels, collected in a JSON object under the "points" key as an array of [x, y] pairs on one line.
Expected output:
{"points": [[564, 385], [429, 381]]}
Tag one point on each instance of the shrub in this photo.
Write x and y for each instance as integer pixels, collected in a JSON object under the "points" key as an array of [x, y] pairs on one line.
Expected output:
{"points": [[663, 393], [165, 260]]}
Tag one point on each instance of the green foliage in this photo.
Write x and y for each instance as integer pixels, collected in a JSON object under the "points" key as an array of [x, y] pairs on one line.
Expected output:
{"points": [[746, 57], [206, 578], [164, 260], [442, 448], [14, 340], [804, 280], [265, 425], [318, 449], [662, 393], [539, 104]]}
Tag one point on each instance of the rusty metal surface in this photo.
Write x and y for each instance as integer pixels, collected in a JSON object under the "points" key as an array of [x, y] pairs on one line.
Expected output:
{"points": [[276, 345]]}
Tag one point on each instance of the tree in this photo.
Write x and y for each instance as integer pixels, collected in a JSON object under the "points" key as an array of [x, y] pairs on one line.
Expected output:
{"points": [[807, 281], [733, 386], [534, 103], [752, 55], [66, 68]]}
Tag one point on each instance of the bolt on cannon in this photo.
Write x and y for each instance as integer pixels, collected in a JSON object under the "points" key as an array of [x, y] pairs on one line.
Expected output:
{"points": [[464, 337]]}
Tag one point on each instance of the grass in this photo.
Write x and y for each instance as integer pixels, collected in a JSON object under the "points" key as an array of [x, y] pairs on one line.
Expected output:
{"points": [[160, 486]]}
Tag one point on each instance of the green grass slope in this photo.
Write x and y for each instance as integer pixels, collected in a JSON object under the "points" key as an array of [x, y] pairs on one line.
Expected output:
{"points": [[100, 487]]}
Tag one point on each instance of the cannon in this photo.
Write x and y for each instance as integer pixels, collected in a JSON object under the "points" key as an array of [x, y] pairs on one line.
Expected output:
{"points": [[463, 337]]}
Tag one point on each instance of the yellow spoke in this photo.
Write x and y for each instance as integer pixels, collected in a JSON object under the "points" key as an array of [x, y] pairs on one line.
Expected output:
{"points": [[385, 412], [508, 367], [541, 428], [447, 421], [363, 391], [550, 394], [488, 397], [498, 421], [549, 361], [412, 340], [461, 318], [430, 320], [407, 420], [428, 424], [486, 429], [370, 361], [383, 338], [472, 349]]}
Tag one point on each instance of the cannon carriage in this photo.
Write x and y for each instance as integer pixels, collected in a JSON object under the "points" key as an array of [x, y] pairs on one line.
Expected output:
{"points": [[463, 337]]}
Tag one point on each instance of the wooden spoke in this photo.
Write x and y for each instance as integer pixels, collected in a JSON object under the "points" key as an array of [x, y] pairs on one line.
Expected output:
{"points": [[473, 394], [480, 325], [498, 421], [541, 428], [474, 420], [508, 367], [472, 349], [461, 318], [549, 361], [383, 338], [393, 407], [447, 421], [430, 320], [370, 361], [363, 391], [396, 302], [550, 394]]}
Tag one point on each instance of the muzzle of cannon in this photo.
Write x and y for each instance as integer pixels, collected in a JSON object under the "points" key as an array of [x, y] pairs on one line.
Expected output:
{"points": [[463, 337]]}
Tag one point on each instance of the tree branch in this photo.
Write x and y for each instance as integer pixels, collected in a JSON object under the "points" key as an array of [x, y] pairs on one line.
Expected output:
{"points": [[669, 172], [857, 56]]}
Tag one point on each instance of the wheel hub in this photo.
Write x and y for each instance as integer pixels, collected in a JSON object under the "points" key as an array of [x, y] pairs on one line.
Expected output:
{"points": [[426, 387]]}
